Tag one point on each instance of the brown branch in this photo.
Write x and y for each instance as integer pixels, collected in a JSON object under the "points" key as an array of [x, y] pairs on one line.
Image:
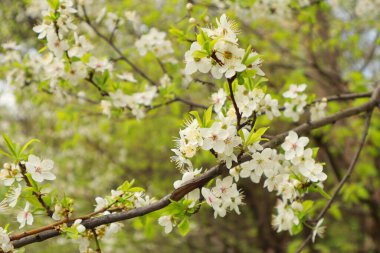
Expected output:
{"points": [[178, 99], [237, 112], [201, 180], [345, 178], [343, 97]]}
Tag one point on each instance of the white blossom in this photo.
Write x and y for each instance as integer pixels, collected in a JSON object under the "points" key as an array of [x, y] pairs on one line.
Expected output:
{"points": [[13, 195], [100, 203], [81, 47], [99, 65], [194, 64], [231, 56], [167, 223], [56, 45], [127, 76], [318, 110], [318, 230], [78, 226], [294, 90], [10, 173], [40, 170], [218, 99], [294, 146], [25, 216]]}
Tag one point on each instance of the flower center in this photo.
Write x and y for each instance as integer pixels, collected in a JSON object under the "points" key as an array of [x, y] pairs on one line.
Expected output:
{"points": [[38, 169]]}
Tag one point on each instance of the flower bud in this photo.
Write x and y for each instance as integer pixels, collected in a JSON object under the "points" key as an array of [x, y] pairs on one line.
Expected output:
{"points": [[189, 6], [192, 20], [7, 166]]}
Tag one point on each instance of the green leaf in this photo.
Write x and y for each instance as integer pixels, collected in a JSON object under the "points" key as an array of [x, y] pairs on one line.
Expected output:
{"points": [[199, 54], [207, 117], [176, 32], [54, 4], [316, 188], [10, 145], [296, 229], [255, 136], [196, 115], [240, 80], [136, 189], [32, 182], [247, 52], [307, 205], [202, 37], [125, 186], [42, 49], [251, 59], [260, 81], [6, 154], [213, 42], [27, 145], [335, 212], [184, 227], [105, 77], [70, 232], [315, 152]]}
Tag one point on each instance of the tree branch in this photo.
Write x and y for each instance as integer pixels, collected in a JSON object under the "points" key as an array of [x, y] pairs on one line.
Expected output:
{"points": [[237, 112], [202, 179]]}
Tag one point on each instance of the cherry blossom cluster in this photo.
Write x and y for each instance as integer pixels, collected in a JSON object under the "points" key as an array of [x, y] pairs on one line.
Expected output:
{"points": [[123, 199], [221, 57], [220, 136], [13, 175], [69, 57], [135, 102], [289, 174], [223, 196], [228, 131], [154, 41], [249, 101]]}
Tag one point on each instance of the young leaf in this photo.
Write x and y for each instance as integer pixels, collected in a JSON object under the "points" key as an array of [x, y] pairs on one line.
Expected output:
{"points": [[207, 117], [196, 115], [27, 145], [200, 54], [5, 153], [184, 227], [247, 52], [255, 136], [10, 145]]}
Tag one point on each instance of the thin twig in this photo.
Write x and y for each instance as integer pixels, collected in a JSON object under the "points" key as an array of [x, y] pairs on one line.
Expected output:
{"points": [[237, 112]]}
